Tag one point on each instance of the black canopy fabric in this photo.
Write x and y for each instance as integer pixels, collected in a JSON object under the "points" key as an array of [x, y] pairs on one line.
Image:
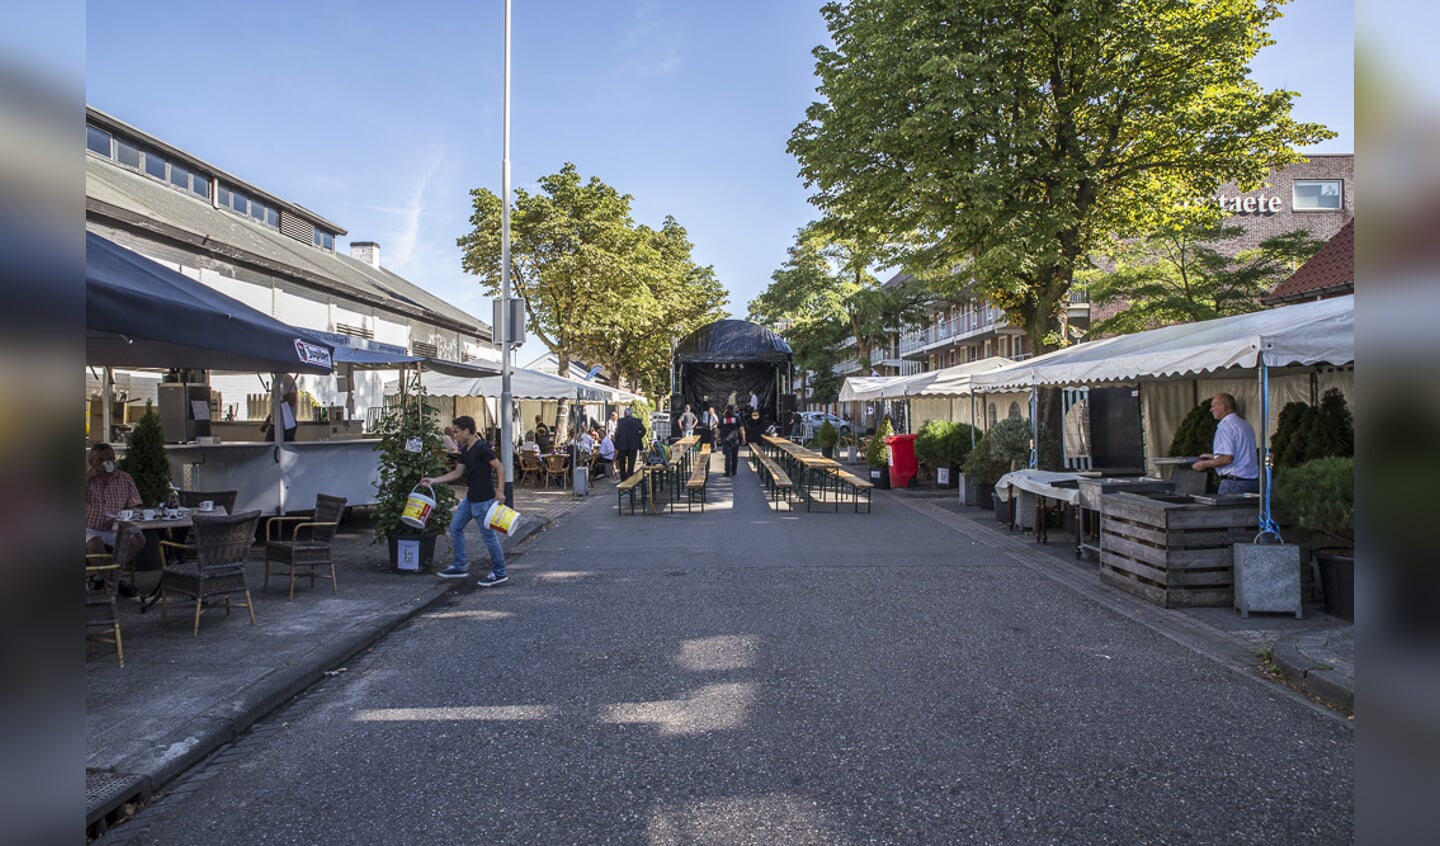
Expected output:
{"points": [[732, 341], [139, 313]]}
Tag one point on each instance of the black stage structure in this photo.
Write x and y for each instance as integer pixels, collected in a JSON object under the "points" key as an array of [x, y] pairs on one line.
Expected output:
{"points": [[732, 357]]}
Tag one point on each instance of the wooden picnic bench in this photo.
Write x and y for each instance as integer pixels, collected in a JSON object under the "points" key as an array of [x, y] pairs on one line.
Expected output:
{"points": [[699, 478], [629, 487], [777, 482]]}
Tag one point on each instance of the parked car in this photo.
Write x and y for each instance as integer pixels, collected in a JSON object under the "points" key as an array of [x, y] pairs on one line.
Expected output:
{"points": [[815, 419]]}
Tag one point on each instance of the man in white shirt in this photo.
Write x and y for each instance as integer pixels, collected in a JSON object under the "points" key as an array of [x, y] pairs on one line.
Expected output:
{"points": [[607, 456], [1233, 455]]}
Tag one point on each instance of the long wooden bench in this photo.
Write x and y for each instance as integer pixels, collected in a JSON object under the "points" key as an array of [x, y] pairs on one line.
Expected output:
{"points": [[777, 482], [857, 486], [699, 477], [629, 487]]}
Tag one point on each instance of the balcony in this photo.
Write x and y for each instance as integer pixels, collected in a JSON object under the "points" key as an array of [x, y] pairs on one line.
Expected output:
{"points": [[916, 343]]}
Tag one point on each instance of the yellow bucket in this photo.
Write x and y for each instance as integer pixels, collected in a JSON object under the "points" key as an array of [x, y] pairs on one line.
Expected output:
{"points": [[502, 518], [418, 508]]}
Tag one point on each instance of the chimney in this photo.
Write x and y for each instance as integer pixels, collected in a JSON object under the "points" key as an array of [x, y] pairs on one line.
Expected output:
{"points": [[366, 251]]}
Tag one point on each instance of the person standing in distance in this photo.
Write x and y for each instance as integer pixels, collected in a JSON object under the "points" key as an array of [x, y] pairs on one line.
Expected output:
{"points": [[1233, 455], [732, 435], [629, 440], [484, 475], [688, 421]]}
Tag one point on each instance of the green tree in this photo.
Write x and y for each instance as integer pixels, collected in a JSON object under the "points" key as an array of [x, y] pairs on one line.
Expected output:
{"points": [[678, 297], [824, 295], [1006, 137], [596, 284], [1177, 274]]}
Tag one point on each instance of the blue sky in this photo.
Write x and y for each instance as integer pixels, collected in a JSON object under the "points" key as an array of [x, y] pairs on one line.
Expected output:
{"points": [[381, 116]]}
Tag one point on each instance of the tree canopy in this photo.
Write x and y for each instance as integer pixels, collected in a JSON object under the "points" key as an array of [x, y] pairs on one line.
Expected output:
{"points": [[1176, 274], [598, 286], [825, 295], [1006, 137]]}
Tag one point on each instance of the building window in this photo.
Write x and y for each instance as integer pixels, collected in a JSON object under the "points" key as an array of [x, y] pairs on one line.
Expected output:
{"points": [[155, 166], [992, 415], [97, 141], [1317, 195], [1014, 411], [323, 239], [127, 154]]}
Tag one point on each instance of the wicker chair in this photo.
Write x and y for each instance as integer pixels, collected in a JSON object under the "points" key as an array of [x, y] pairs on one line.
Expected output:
{"points": [[102, 576], [530, 468], [221, 546], [556, 467], [309, 545], [192, 500]]}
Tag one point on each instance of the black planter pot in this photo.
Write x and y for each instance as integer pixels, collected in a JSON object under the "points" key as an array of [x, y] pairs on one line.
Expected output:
{"points": [[425, 557], [952, 474], [1337, 582], [828, 452], [984, 495], [1002, 507], [880, 477]]}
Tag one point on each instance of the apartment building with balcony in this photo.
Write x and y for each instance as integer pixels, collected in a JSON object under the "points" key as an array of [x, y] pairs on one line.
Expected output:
{"points": [[1316, 195]]}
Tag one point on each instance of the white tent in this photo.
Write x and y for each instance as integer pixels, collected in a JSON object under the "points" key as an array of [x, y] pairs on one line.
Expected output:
{"points": [[1178, 366], [951, 381], [865, 388], [1305, 334], [524, 384]]}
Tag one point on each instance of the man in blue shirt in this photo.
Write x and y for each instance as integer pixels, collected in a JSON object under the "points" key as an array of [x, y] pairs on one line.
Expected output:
{"points": [[1233, 455], [484, 475]]}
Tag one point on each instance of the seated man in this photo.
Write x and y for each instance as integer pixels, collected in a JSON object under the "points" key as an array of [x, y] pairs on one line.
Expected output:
{"points": [[529, 444], [607, 456], [584, 444], [107, 490]]}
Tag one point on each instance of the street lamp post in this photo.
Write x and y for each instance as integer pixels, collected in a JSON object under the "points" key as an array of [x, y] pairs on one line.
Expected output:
{"points": [[507, 424]]}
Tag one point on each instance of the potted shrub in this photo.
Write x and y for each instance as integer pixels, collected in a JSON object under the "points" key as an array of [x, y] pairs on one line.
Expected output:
{"points": [[928, 449], [826, 439], [983, 468], [1319, 496], [145, 459], [954, 447], [1006, 447], [877, 454], [410, 448]]}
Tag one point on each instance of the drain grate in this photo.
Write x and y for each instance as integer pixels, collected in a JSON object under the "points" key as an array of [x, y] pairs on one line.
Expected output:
{"points": [[105, 793]]}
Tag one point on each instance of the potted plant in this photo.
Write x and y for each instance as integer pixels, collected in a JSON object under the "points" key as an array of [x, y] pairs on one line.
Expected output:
{"points": [[877, 454], [1004, 448], [145, 459], [928, 449], [826, 439], [410, 448], [1319, 496], [954, 448]]}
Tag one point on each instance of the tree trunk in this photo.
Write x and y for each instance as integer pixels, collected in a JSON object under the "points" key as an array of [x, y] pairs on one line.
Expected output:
{"points": [[562, 424]]}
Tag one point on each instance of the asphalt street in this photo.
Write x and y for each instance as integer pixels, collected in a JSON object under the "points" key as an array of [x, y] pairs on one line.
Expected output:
{"points": [[756, 677]]}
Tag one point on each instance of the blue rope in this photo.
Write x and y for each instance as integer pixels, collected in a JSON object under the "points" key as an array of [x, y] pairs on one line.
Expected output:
{"points": [[1268, 526]]}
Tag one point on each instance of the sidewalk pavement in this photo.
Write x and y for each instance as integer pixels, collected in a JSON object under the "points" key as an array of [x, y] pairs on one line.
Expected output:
{"points": [[1315, 654], [179, 698]]}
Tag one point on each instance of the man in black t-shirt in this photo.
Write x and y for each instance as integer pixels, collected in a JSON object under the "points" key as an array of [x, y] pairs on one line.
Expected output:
{"points": [[732, 435], [484, 475]]}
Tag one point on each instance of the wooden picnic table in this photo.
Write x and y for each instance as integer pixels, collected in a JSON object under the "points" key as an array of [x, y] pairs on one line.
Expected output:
{"points": [[807, 460]]}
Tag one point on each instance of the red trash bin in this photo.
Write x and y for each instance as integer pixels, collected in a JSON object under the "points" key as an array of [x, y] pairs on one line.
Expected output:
{"points": [[903, 465]]}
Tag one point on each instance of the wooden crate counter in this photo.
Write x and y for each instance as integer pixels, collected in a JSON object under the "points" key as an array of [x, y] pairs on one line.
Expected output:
{"points": [[1172, 551]]}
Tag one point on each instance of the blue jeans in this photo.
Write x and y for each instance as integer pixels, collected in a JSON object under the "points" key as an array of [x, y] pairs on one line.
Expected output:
{"points": [[464, 513], [1239, 486]]}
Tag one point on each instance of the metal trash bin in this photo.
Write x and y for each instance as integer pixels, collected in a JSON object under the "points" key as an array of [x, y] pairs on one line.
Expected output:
{"points": [[580, 481]]}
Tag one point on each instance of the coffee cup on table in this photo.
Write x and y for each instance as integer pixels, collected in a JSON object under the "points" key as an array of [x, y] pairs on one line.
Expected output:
{"points": [[207, 505], [172, 513], [147, 514], [125, 514]]}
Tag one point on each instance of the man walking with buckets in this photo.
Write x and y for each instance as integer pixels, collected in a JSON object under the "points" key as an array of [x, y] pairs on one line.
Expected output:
{"points": [[484, 475]]}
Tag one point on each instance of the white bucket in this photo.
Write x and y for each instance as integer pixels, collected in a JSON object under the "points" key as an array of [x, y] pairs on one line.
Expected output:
{"points": [[418, 508], [502, 518]]}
